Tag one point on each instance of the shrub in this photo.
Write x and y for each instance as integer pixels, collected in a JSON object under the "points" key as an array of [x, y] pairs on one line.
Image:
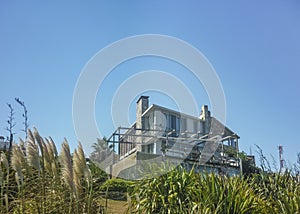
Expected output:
{"points": [[115, 188], [115, 184], [180, 191]]}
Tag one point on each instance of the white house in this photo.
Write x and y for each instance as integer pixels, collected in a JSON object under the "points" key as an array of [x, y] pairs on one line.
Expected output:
{"points": [[163, 134], [3, 144]]}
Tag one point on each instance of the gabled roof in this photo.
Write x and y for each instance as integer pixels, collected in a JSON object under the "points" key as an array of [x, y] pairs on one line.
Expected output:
{"points": [[227, 131], [154, 106]]}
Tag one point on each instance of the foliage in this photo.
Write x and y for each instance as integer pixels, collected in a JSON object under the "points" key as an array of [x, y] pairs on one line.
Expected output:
{"points": [[100, 150], [24, 115], [180, 191], [167, 193], [116, 184], [116, 188], [218, 194], [281, 190], [248, 167], [34, 178], [38, 180], [99, 176]]}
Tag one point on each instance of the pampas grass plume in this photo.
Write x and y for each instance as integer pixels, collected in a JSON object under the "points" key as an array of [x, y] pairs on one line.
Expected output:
{"points": [[66, 162]]}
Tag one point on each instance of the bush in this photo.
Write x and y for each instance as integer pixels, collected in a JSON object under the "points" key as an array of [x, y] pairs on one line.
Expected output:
{"points": [[115, 185], [180, 191], [115, 188]]}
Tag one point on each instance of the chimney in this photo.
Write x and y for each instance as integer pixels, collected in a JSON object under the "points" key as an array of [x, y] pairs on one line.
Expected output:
{"points": [[206, 118], [205, 114], [141, 106]]}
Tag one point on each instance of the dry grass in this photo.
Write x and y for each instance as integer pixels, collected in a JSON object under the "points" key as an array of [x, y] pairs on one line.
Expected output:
{"points": [[38, 181], [114, 206]]}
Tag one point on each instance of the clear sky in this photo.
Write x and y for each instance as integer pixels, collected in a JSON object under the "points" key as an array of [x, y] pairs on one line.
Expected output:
{"points": [[254, 47]]}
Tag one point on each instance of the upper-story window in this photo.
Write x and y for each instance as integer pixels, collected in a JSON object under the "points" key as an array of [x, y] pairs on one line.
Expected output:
{"points": [[232, 142], [183, 125], [145, 122], [172, 123], [196, 126]]}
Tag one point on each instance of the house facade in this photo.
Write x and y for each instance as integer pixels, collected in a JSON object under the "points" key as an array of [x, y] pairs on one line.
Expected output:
{"points": [[162, 134], [3, 144]]}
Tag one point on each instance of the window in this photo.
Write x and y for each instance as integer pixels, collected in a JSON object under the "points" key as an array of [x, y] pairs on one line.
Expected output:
{"points": [[233, 142], [145, 122], [148, 148], [183, 124], [195, 126], [172, 123]]}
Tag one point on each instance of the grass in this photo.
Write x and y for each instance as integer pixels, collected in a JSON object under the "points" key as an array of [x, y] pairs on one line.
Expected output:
{"points": [[181, 191], [114, 206], [38, 180], [34, 178]]}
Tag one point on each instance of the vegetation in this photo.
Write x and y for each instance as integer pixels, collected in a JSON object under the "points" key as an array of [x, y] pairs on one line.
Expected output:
{"points": [[24, 115], [180, 191], [38, 180], [34, 178], [101, 150]]}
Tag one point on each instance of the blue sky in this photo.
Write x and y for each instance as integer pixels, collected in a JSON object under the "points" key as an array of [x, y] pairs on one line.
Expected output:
{"points": [[254, 47]]}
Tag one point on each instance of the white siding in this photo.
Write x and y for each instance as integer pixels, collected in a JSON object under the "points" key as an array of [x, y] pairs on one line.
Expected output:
{"points": [[190, 125], [159, 120]]}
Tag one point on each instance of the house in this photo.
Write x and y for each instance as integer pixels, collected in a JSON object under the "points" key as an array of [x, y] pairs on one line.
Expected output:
{"points": [[162, 134], [3, 144]]}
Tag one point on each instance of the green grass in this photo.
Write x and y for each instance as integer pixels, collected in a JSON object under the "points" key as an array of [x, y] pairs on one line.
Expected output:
{"points": [[180, 191]]}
